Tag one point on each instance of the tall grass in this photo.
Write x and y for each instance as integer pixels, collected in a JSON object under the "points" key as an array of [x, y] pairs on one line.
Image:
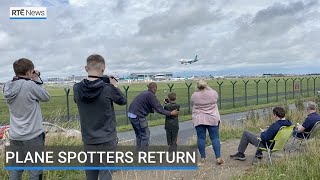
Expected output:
{"points": [[303, 165]]}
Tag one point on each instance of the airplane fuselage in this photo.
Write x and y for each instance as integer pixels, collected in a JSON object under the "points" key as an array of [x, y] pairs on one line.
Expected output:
{"points": [[188, 61]]}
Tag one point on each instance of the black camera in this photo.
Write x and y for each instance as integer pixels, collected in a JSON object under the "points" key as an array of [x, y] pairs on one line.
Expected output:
{"points": [[105, 79]]}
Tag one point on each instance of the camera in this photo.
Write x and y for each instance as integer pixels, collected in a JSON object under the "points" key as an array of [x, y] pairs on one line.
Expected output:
{"points": [[105, 79]]}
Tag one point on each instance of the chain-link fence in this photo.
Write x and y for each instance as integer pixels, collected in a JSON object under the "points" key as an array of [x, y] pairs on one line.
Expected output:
{"points": [[233, 93]]}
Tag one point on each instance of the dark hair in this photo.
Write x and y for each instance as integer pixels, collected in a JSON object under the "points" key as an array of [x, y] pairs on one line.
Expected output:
{"points": [[152, 85], [22, 66], [279, 111], [95, 60], [172, 96]]}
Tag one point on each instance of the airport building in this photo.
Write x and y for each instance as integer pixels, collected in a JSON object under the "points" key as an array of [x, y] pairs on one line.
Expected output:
{"points": [[151, 76]]}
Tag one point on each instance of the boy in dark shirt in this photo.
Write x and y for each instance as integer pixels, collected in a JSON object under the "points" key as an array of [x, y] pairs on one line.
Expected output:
{"points": [[266, 135], [172, 122]]}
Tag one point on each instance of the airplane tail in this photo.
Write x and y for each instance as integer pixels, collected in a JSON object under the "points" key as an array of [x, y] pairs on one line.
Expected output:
{"points": [[196, 58]]}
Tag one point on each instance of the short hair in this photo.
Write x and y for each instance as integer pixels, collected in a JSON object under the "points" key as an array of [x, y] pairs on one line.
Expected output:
{"points": [[311, 105], [95, 61], [201, 84], [172, 96], [279, 111], [152, 85], [22, 66]]}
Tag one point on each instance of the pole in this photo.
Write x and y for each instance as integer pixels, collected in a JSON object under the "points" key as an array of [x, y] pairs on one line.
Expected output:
{"points": [[285, 88], [277, 92], [67, 91], [314, 85], [126, 88], [267, 81], [257, 89], [308, 85], [233, 84], [301, 87], [245, 92], [170, 87], [220, 96], [188, 86]]}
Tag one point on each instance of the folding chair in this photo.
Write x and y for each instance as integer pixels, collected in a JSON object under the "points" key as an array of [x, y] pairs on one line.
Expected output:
{"points": [[278, 143], [307, 135]]}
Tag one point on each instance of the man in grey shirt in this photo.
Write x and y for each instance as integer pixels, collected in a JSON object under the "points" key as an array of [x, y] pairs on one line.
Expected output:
{"points": [[23, 95]]}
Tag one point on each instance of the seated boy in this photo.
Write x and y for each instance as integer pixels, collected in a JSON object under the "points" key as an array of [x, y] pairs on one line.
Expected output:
{"points": [[266, 135]]}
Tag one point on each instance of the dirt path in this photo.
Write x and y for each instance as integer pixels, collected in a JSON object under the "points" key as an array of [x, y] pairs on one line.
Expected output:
{"points": [[209, 170]]}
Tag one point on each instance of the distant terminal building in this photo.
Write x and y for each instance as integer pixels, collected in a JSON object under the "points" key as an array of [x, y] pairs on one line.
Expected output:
{"points": [[273, 75], [151, 76]]}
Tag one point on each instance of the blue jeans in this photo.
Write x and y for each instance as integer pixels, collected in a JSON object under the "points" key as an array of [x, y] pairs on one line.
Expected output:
{"points": [[214, 136], [299, 135], [141, 129]]}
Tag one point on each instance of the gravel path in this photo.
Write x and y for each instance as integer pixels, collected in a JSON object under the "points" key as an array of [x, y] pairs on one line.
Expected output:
{"points": [[209, 170]]}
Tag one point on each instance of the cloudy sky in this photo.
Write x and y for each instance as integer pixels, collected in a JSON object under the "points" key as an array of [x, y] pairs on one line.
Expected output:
{"points": [[229, 36]]}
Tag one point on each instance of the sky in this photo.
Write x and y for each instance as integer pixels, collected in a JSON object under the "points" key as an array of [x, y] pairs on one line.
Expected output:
{"points": [[238, 37]]}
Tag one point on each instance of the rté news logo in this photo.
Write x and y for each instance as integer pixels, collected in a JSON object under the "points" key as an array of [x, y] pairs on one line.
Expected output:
{"points": [[28, 13]]}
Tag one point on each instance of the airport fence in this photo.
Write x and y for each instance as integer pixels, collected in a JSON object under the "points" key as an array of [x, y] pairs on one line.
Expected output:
{"points": [[232, 94]]}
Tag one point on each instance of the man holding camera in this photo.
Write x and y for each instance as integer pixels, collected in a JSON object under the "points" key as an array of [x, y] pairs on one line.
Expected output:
{"points": [[94, 97], [146, 102], [23, 95]]}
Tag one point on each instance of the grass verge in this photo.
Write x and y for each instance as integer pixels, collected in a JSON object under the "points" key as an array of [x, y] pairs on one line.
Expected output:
{"points": [[295, 166]]}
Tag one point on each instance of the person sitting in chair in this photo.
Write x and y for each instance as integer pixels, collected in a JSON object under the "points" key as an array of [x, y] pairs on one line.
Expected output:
{"points": [[301, 130], [266, 135]]}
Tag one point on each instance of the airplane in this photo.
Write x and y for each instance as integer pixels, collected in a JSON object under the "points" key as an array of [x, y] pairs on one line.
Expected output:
{"points": [[186, 61]]}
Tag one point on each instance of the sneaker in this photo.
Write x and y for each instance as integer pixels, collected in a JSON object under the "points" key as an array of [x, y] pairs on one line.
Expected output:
{"points": [[238, 156], [259, 155], [220, 161]]}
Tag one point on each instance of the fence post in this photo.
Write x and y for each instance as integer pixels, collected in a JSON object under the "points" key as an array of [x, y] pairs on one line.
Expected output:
{"points": [[233, 84], [170, 87], [285, 88], [257, 89], [301, 87], [245, 92], [267, 81], [308, 85], [314, 85], [277, 92], [67, 91], [220, 98], [188, 86], [126, 89], [293, 80]]}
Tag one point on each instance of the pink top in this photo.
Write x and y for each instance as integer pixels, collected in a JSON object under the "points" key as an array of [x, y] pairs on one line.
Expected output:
{"points": [[204, 107]]}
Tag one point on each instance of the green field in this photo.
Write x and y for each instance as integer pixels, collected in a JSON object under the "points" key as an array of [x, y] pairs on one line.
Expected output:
{"points": [[56, 108]]}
